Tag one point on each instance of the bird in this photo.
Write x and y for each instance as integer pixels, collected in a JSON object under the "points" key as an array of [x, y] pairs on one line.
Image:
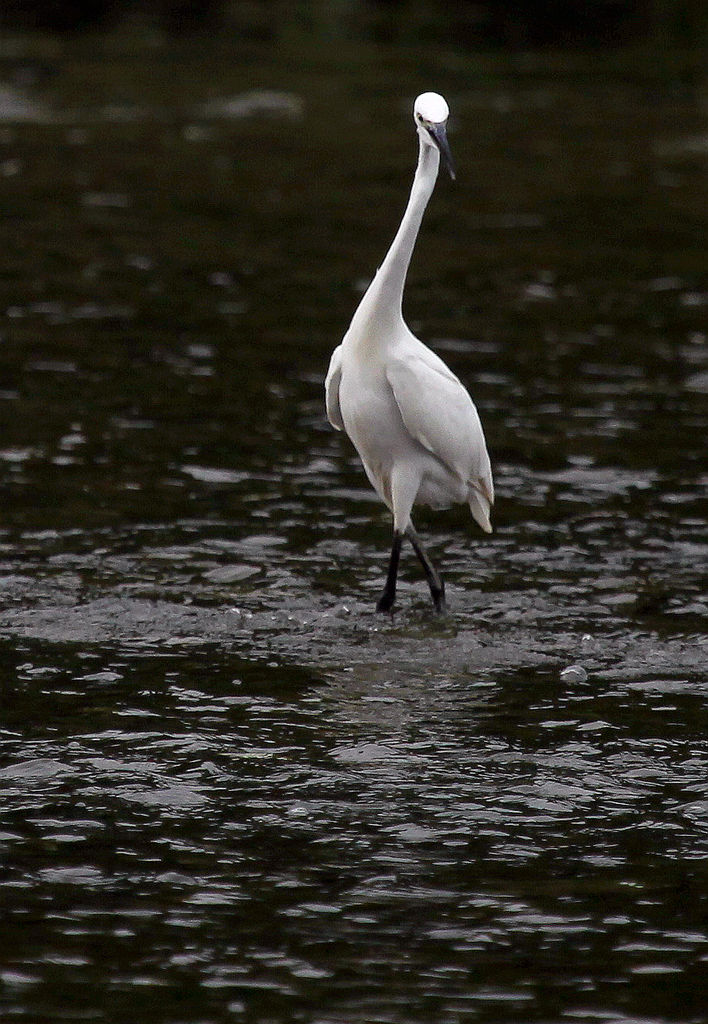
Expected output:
{"points": [[410, 419]]}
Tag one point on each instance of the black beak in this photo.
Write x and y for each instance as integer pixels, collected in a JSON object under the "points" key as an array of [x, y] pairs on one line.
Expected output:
{"points": [[439, 137]]}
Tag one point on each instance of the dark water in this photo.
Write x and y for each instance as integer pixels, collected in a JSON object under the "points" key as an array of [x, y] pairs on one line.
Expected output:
{"points": [[230, 791]]}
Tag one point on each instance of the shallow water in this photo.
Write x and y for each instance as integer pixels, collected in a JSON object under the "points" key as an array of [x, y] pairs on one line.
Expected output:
{"points": [[230, 789]]}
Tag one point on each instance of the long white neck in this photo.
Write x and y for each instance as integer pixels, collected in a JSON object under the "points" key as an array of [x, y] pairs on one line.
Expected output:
{"points": [[381, 306]]}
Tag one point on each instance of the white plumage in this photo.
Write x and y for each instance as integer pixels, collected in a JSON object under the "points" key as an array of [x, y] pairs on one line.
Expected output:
{"points": [[412, 422]]}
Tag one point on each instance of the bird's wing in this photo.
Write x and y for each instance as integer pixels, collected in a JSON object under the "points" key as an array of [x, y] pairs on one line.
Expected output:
{"points": [[332, 382], [439, 413]]}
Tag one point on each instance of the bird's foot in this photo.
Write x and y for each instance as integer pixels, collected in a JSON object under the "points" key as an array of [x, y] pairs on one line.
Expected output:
{"points": [[386, 601], [438, 596]]}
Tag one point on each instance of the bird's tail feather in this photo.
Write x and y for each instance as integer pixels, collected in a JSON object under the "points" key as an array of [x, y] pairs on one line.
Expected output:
{"points": [[480, 507]]}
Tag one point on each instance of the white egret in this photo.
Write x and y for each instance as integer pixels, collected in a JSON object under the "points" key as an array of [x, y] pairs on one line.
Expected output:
{"points": [[412, 422]]}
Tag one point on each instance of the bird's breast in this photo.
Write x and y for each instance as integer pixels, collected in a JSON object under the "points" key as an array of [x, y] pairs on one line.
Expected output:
{"points": [[370, 414]]}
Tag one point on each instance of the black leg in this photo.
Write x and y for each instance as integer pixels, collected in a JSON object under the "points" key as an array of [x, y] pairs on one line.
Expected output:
{"points": [[435, 582], [389, 592]]}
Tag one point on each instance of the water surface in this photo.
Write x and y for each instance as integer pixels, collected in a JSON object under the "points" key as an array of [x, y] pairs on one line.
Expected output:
{"points": [[231, 791]]}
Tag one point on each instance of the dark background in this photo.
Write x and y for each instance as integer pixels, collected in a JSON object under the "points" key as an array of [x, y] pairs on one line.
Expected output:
{"points": [[494, 23]]}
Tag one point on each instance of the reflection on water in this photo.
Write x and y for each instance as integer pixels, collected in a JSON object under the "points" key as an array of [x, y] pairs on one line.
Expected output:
{"points": [[229, 834], [230, 790]]}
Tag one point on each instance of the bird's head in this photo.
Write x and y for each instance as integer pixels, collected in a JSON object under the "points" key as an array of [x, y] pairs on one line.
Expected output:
{"points": [[430, 113]]}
